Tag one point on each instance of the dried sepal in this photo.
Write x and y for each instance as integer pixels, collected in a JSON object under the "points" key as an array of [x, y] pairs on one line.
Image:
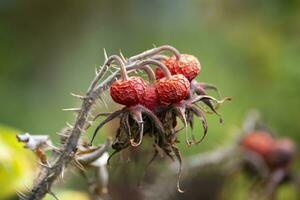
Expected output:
{"points": [[89, 155], [34, 142], [192, 110], [106, 120], [37, 143]]}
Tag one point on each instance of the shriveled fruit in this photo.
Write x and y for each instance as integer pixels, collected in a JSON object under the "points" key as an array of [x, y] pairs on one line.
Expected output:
{"points": [[187, 65], [172, 90], [128, 92]]}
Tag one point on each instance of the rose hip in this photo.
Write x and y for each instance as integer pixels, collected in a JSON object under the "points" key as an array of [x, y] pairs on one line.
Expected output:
{"points": [[259, 142], [187, 65], [128, 91], [172, 89]]}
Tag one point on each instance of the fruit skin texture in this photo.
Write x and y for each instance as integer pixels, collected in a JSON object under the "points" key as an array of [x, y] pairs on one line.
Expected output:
{"points": [[128, 92], [260, 142], [172, 90], [188, 65], [150, 99]]}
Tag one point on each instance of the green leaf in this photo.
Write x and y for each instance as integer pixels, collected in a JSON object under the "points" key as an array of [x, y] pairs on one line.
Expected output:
{"points": [[16, 163]]}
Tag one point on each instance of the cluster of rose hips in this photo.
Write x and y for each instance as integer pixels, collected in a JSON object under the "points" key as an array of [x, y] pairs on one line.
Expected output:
{"points": [[152, 108]]}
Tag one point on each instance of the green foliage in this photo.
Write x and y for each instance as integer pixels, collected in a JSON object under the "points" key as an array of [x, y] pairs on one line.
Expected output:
{"points": [[16, 164], [68, 194]]}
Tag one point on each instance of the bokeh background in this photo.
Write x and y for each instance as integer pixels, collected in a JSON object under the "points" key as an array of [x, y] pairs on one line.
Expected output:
{"points": [[248, 48]]}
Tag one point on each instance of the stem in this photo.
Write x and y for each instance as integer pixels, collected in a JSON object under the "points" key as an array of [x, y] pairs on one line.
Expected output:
{"points": [[160, 57], [155, 51], [104, 68], [163, 67], [150, 73], [123, 72]]}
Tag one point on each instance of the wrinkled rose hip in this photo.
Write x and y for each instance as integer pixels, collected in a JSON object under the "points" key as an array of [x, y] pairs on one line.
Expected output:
{"points": [[128, 92], [188, 65]]}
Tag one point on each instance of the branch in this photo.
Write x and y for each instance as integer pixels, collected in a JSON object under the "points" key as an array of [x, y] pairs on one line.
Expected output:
{"points": [[47, 175]]}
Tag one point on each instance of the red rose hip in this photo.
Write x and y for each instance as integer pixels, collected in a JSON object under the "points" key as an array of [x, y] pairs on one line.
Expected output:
{"points": [[173, 89], [128, 92], [187, 65], [259, 142]]}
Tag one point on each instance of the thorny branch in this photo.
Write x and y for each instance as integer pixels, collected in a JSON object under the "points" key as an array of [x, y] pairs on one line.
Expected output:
{"points": [[48, 174]]}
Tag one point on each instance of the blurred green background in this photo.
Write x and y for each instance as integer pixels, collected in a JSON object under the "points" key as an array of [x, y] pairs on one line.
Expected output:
{"points": [[250, 49]]}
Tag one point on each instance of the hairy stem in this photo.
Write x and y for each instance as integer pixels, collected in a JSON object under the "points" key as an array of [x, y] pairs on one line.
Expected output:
{"points": [[48, 175], [150, 73], [155, 51]]}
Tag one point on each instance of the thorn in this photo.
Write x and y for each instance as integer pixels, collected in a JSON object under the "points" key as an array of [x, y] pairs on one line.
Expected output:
{"points": [[50, 175], [105, 54], [61, 134], [52, 194], [27, 187], [154, 45], [104, 103], [89, 122], [81, 130], [78, 96], [72, 109], [122, 56], [21, 195], [105, 95], [96, 71], [114, 67], [69, 125], [62, 172], [44, 165], [109, 70], [78, 165]]}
